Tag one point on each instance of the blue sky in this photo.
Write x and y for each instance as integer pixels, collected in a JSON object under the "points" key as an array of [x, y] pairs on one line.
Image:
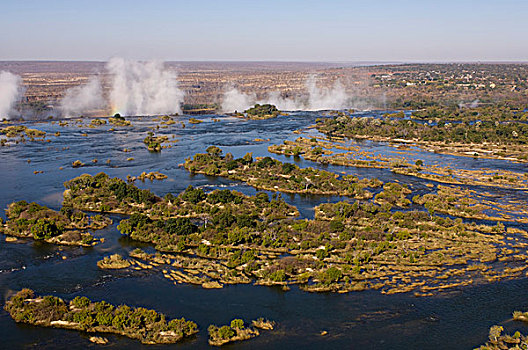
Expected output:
{"points": [[295, 30]]}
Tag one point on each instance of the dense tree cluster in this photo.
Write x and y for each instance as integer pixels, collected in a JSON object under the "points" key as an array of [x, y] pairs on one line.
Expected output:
{"points": [[457, 132], [81, 313], [270, 174], [41, 223], [264, 111]]}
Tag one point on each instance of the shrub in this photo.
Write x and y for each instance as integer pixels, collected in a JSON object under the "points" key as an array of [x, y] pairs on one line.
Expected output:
{"points": [[237, 323]]}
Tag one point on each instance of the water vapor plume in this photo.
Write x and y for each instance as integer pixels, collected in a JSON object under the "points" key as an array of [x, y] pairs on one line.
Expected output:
{"points": [[326, 98], [235, 100], [83, 98], [314, 99], [143, 88], [10, 92]]}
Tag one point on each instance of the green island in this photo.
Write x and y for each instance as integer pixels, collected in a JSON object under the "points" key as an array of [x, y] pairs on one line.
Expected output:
{"points": [[237, 331], [154, 143], [96, 122], [321, 152], [153, 175], [489, 112], [481, 139], [67, 227], [21, 133], [118, 120], [497, 340], [114, 261], [469, 204], [273, 175], [225, 237], [265, 111], [82, 314]]}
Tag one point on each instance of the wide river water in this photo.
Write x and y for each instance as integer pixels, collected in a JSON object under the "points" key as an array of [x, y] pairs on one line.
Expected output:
{"points": [[459, 319]]}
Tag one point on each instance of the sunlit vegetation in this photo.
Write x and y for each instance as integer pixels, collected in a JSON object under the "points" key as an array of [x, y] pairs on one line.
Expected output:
{"points": [[154, 143], [265, 111], [68, 226], [492, 139], [235, 331], [225, 237], [21, 133], [273, 175], [118, 120], [82, 314], [497, 340]]}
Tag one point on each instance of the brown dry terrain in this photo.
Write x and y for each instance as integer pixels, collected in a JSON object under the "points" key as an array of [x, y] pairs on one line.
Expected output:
{"points": [[409, 86]]}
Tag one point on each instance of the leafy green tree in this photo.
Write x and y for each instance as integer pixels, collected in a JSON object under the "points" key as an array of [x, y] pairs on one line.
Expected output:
{"points": [[45, 229], [180, 226], [237, 323], [214, 151], [193, 195]]}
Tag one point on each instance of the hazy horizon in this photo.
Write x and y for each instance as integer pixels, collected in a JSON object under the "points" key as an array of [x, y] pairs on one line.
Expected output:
{"points": [[334, 31]]}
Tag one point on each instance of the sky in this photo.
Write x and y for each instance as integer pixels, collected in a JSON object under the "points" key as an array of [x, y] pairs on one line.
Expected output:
{"points": [[265, 30]]}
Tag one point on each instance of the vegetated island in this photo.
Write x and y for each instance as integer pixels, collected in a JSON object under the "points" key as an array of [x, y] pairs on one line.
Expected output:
{"points": [[154, 143], [224, 237], [118, 120], [21, 133], [82, 314], [259, 112], [321, 152], [273, 175], [482, 139], [237, 330], [67, 227], [497, 340]]}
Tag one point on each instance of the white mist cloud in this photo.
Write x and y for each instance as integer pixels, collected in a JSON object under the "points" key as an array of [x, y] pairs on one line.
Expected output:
{"points": [[83, 98], [315, 99], [235, 100], [10, 91], [143, 88], [326, 98]]}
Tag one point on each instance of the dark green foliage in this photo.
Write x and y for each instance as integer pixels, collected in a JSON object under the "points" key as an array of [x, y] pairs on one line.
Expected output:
{"points": [[80, 302], [193, 195], [278, 276], [224, 219], [139, 323], [465, 132], [266, 162], [214, 151], [263, 110], [180, 226], [123, 190], [336, 225], [288, 168], [223, 196], [261, 197], [45, 229], [224, 332], [332, 275]]}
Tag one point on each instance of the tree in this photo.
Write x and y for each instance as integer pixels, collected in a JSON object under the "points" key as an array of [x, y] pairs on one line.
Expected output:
{"points": [[180, 226], [193, 195], [248, 158], [333, 274], [224, 219], [45, 229], [237, 323], [214, 151]]}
